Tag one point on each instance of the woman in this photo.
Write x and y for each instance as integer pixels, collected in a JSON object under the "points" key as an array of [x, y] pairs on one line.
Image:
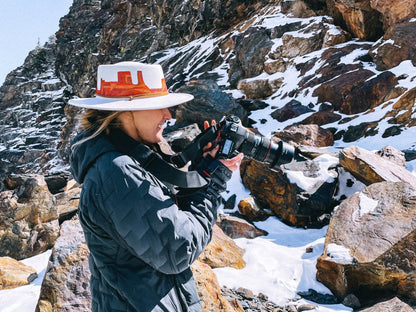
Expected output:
{"points": [[143, 234]]}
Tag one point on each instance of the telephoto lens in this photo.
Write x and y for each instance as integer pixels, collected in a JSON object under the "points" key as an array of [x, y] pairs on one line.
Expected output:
{"points": [[236, 138]]}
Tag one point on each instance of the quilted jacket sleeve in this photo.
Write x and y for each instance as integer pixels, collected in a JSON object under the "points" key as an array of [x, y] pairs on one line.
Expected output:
{"points": [[146, 220]]}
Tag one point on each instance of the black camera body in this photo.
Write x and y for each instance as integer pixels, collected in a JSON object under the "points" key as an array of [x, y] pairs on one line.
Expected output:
{"points": [[234, 138]]}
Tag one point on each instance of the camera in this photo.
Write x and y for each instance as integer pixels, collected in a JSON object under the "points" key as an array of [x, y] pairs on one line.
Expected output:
{"points": [[234, 138]]}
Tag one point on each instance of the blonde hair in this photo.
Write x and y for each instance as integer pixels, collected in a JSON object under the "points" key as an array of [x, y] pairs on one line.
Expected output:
{"points": [[98, 121]]}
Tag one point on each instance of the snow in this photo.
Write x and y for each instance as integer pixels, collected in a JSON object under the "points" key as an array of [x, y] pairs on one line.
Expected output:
{"points": [[308, 183], [278, 264], [25, 298], [367, 205], [339, 254]]}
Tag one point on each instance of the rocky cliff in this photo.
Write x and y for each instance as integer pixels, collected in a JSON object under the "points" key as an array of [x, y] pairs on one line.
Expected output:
{"points": [[322, 73]]}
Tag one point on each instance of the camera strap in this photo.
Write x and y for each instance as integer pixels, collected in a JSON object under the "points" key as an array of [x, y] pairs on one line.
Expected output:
{"points": [[155, 164]]}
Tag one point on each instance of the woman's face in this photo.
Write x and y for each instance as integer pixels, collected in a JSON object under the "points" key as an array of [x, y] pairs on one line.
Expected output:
{"points": [[145, 126]]}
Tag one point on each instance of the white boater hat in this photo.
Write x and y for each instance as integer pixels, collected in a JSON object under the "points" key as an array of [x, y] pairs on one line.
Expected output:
{"points": [[130, 86]]}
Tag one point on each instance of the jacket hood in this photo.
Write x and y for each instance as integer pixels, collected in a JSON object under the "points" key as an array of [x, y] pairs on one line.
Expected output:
{"points": [[83, 156]]}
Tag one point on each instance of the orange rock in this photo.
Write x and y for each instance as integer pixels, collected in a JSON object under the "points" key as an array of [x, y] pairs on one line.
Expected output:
{"points": [[209, 290], [222, 251], [14, 273]]}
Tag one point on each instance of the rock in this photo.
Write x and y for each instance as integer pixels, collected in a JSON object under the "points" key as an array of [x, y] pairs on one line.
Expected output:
{"points": [[57, 181], [393, 305], [403, 109], [393, 155], [311, 135], [251, 48], [251, 211], [290, 110], [209, 290], [255, 89], [370, 168], [312, 38], [369, 93], [394, 11], [370, 244], [67, 203], [300, 204], [14, 273], [25, 104], [351, 301], [397, 45], [354, 93], [321, 118], [29, 218], [360, 18], [336, 90], [178, 137], [354, 133], [244, 300], [209, 103], [236, 227], [66, 283], [222, 251], [312, 152]]}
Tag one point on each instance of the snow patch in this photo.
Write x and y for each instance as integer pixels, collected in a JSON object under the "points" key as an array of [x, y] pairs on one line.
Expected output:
{"points": [[367, 204], [339, 254]]}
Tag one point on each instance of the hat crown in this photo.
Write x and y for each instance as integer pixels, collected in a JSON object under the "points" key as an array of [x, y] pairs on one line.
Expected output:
{"points": [[130, 79]]}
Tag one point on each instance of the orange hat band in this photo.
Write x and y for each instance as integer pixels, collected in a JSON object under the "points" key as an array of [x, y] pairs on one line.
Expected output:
{"points": [[124, 87]]}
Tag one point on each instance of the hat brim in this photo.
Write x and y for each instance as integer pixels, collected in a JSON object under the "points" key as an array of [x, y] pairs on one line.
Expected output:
{"points": [[125, 104]]}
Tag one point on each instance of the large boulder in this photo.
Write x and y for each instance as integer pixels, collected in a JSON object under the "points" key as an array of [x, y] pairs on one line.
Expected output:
{"points": [[370, 245], [354, 92], [209, 103], [394, 11], [301, 194], [310, 135], [397, 45], [66, 283], [28, 217], [359, 17], [368, 167]]}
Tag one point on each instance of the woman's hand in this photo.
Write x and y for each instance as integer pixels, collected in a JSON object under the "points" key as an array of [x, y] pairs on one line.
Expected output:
{"points": [[232, 163]]}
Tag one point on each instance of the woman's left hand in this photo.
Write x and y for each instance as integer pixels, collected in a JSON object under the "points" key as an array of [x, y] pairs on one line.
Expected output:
{"points": [[232, 163]]}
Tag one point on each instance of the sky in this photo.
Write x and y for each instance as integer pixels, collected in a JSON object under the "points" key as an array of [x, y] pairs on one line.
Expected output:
{"points": [[23, 24]]}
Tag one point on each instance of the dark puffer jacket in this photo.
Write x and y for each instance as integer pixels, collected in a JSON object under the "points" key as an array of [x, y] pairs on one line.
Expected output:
{"points": [[141, 241]]}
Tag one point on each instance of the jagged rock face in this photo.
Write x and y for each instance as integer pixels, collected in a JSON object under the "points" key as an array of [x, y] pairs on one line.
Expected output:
{"points": [[32, 101], [370, 243], [96, 32]]}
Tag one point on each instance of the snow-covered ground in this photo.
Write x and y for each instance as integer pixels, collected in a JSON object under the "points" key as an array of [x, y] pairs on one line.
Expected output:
{"points": [[25, 298]]}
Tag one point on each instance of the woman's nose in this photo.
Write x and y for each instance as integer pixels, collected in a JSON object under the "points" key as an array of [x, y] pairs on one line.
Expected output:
{"points": [[166, 114]]}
